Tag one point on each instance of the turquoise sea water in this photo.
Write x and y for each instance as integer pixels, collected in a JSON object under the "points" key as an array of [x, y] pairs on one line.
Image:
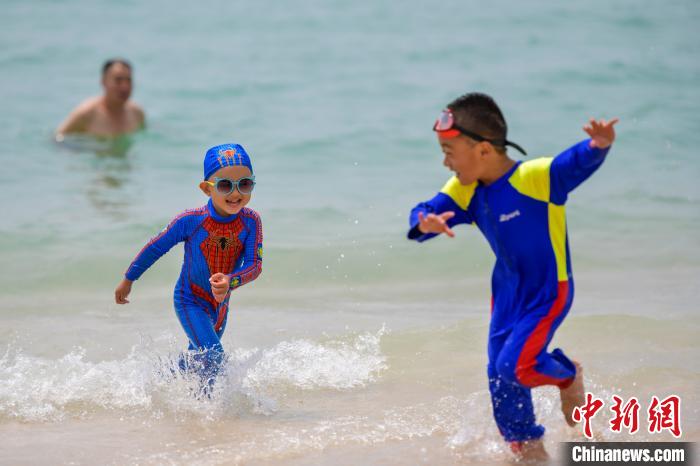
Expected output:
{"points": [[334, 101]]}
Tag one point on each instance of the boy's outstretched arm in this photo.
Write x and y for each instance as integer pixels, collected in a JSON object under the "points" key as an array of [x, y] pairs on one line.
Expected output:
{"points": [[122, 291], [158, 245], [573, 166], [151, 252], [448, 208], [602, 134], [437, 224]]}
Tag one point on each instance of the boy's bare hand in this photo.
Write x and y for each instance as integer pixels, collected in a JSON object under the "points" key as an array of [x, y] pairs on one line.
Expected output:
{"points": [[219, 286], [435, 223], [602, 133], [122, 291]]}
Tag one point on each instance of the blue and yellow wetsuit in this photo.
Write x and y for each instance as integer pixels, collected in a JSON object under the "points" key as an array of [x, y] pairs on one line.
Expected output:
{"points": [[231, 245], [523, 218]]}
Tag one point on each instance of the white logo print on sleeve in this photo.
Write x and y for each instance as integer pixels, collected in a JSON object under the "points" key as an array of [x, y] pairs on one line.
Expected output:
{"points": [[510, 216]]}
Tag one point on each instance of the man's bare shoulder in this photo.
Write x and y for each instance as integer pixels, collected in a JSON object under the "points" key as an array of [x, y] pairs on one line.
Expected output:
{"points": [[87, 107], [136, 110], [79, 119]]}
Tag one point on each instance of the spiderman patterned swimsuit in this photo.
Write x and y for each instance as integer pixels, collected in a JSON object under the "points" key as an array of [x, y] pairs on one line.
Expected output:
{"points": [[523, 218], [231, 245]]}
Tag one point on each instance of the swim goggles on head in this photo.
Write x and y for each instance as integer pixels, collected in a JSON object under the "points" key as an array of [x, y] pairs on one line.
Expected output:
{"points": [[226, 186], [446, 127]]}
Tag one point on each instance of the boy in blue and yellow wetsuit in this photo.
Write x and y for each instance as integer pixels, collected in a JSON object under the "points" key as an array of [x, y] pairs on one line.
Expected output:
{"points": [[519, 207], [223, 251]]}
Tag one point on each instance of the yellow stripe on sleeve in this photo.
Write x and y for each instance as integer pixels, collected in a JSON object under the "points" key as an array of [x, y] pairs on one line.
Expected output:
{"points": [[461, 194], [557, 234], [531, 178]]}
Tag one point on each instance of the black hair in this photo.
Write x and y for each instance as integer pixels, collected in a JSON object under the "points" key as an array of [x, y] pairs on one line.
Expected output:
{"points": [[479, 113], [113, 61]]}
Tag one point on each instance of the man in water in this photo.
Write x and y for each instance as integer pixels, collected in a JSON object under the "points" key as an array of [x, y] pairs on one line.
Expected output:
{"points": [[108, 115]]}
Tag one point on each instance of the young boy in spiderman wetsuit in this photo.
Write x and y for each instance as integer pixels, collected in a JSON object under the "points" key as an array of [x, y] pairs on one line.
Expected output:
{"points": [[223, 251], [519, 207]]}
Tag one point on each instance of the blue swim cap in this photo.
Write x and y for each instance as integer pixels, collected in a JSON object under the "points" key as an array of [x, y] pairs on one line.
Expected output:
{"points": [[225, 155]]}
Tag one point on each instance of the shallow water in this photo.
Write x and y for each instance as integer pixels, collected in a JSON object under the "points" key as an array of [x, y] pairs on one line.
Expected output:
{"points": [[354, 346]]}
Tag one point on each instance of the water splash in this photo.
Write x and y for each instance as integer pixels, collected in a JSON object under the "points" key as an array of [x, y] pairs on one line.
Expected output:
{"points": [[308, 365], [149, 381]]}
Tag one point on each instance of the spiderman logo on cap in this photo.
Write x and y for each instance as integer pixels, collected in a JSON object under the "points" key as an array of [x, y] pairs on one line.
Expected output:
{"points": [[230, 155]]}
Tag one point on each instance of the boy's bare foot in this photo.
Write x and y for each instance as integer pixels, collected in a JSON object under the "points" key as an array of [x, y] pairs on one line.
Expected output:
{"points": [[530, 451], [573, 395]]}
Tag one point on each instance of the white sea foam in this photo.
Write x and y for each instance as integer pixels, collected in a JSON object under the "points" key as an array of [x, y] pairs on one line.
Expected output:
{"points": [[41, 389], [418, 422]]}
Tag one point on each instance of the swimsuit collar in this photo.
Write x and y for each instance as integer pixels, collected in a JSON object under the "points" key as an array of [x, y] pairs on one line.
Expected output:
{"points": [[503, 177], [219, 218]]}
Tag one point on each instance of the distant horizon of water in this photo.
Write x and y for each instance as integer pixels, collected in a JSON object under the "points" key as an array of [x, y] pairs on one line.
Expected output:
{"points": [[355, 345]]}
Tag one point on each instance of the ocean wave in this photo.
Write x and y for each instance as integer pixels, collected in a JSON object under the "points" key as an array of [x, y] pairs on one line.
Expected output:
{"points": [[150, 382]]}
